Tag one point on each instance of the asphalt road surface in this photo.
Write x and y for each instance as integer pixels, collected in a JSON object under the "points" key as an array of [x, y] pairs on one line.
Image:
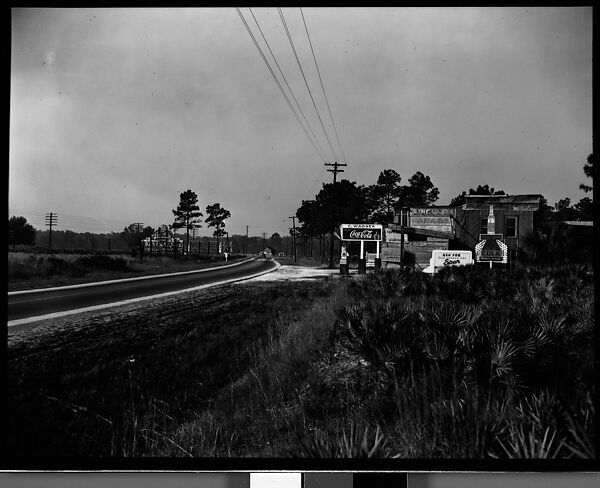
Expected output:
{"points": [[42, 302]]}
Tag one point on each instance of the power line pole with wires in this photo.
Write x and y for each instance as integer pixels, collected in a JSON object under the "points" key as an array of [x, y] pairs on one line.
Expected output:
{"points": [[51, 221], [335, 171]]}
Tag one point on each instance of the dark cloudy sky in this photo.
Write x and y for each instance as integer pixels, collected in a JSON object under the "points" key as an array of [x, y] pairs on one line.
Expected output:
{"points": [[114, 112]]}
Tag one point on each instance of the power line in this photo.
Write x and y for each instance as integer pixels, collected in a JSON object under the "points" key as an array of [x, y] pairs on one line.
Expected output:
{"points": [[316, 180], [321, 153], [305, 81], [277, 81], [322, 85]]}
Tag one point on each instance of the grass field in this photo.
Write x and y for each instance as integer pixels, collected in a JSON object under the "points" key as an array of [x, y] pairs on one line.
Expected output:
{"points": [[469, 363], [29, 270]]}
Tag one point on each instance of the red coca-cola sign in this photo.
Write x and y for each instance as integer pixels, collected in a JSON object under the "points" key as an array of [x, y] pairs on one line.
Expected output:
{"points": [[361, 232]]}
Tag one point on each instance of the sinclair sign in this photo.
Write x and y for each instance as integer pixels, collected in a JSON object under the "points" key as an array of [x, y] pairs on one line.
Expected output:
{"points": [[361, 232]]}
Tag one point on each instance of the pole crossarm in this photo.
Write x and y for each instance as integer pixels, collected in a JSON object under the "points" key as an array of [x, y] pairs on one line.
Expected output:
{"points": [[335, 171]]}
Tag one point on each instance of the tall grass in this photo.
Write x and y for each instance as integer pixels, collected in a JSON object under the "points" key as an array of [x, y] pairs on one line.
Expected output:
{"points": [[30, 266], [261, 412], [39, 269]]}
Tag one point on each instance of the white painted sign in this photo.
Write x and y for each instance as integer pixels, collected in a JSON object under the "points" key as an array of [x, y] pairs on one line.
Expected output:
{"points": [[429, 220], [451, 258], [441, 258], [432, 210], [391, 236]]}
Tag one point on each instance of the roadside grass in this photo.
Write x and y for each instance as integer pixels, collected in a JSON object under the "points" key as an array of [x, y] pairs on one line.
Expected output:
{"points": [[468, 363], [118, 386], [28, 271]]}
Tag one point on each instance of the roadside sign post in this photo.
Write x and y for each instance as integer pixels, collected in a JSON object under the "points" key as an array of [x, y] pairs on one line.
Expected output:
{"points": [[363, 233], [442, 258], [491, 249]]}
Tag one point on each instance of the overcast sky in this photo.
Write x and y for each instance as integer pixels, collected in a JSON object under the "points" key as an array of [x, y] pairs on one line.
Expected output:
{"points": [[114, 112]]}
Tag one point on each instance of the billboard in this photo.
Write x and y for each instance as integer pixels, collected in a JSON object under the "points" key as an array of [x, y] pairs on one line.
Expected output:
{"points": [[361, 232], [441, 258]]}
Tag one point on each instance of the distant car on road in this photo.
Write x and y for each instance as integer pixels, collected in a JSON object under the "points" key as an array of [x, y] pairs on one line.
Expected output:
{"points": [[281, 255]]}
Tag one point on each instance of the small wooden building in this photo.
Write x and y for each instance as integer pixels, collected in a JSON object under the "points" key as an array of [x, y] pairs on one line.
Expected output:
{"points": [[513, 215], [418, 230]]}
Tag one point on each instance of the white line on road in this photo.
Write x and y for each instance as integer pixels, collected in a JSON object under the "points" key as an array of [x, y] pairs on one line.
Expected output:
{"points": [[122, 280], [29, 320]]}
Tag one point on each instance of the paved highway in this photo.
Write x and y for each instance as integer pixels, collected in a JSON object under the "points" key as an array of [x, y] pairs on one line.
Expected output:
{"points": [[33, 303]]}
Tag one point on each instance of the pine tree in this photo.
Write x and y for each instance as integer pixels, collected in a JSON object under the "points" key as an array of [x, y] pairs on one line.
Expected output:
{"points": [[187, 214]]}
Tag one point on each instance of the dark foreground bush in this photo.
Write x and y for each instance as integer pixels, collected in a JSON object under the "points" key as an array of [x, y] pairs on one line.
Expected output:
{"points": [[481, 363]]}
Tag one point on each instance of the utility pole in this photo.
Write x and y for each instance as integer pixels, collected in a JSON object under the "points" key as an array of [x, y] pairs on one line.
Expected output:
{"points": [[246, 246], [293, 236], [139, 226], [51, 220], [264, 236], [335, 171]]}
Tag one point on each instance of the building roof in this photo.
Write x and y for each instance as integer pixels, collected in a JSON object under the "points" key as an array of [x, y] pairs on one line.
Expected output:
{"points": [[530, 202]]}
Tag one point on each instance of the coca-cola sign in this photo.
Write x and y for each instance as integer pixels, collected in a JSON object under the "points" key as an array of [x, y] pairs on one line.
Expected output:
{"points": [[361, 232]]}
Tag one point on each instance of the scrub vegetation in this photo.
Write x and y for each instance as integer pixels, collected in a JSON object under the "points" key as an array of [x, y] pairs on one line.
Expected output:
{"points": [[469, 363]]}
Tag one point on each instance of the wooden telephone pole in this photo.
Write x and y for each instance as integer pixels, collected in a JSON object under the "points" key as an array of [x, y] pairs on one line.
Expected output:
{"points": [[51, 221], [293, 236], [246, 242], [335, 171]]}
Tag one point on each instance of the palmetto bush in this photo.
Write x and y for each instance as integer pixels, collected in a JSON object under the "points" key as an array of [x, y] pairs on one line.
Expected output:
{"points": [[494, 343]]}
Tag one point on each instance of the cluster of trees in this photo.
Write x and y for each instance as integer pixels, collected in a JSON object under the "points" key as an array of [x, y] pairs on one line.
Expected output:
{"points": [[564, 210], [348, 202], [20, 232], [187, 216], [480, 190]]}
